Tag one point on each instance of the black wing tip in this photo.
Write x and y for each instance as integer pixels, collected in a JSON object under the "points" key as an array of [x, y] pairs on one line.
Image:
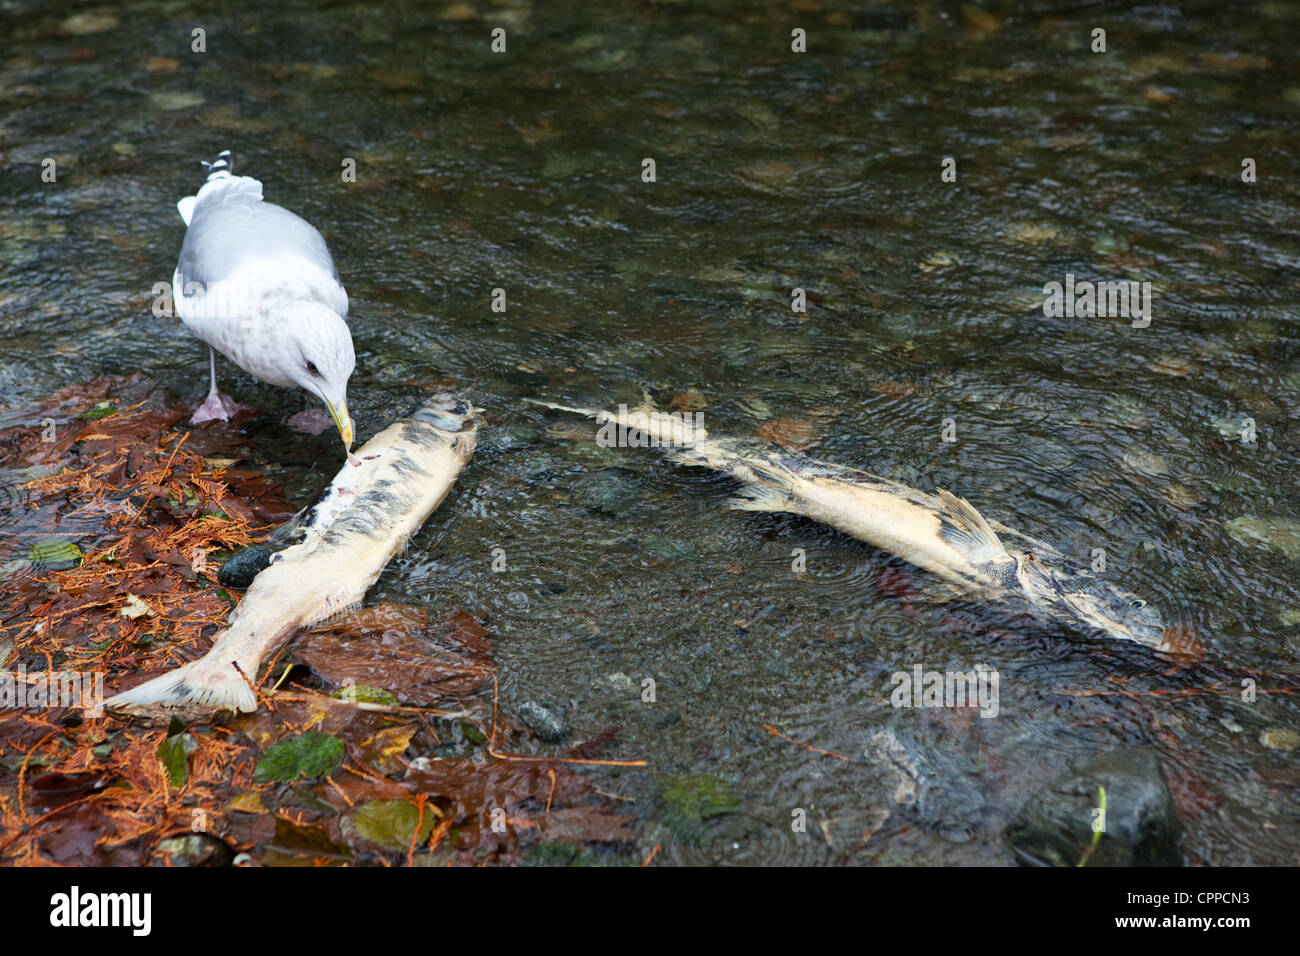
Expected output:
{"points": [[224, 163]]}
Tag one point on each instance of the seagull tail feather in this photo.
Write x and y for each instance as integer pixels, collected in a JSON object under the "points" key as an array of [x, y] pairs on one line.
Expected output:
{"points": [[223, 181], [222, 167]]}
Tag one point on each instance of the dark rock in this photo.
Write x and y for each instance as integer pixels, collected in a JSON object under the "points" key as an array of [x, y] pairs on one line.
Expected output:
{"points": [[239, 570], [196, 849], [546, 722], [610, 491], [1054, 828]]}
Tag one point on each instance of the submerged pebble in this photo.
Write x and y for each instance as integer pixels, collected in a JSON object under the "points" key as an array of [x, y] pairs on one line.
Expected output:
{"points": [[88, 22], [1276, 533], [1276, 738], [545, 721], [1054, 828]]}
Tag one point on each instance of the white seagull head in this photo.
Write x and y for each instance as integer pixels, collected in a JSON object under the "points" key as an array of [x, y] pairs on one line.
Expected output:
{"points": [[319, 357]]}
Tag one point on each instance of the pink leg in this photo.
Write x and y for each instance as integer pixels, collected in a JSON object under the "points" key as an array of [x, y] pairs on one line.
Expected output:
{"points": [[217, 407]]}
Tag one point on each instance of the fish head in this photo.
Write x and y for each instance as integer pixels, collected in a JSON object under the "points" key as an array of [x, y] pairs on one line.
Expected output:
{"points": [[317, 347], [1108, 607]]}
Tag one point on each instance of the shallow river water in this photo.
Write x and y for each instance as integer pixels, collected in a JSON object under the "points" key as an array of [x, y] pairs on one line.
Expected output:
{"points": [[774, 170]]}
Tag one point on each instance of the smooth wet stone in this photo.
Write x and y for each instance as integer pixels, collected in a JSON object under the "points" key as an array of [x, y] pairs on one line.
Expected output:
{"points": [[1054, 827], [175, 101], [545, 721], [1279, 738], [88, 22], [196, 849], [613, 491], [1277, 533], [239, 570]]}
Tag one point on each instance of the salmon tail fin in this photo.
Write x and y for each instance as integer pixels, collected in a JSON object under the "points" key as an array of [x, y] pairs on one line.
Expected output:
{"points": [[760, 498], [199, 683], [767, 487], [334, 615], [966, 530]]}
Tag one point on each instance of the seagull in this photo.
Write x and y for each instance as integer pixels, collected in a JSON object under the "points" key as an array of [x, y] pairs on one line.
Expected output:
{"points": [[257, 284]]}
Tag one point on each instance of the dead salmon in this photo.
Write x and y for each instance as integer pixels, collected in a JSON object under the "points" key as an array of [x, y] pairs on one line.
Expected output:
{"points": [[327, 557], [940, 533]]}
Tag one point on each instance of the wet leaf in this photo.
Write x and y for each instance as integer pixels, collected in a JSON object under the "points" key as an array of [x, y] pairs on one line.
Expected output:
{"points": [[410, 667], [297, 844], [383, 749], [1185, 646], [56, 789], [795, 434], [51, 554], [174, 754], [305, 756], [134, 607], [391, 823], [102, 410], [690, 800], [364, 694], [586, 825], [250, 802], [689, 401]]}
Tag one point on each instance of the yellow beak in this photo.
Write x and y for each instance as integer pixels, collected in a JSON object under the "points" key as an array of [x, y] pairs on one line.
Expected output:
{"points": [[343, 422]]}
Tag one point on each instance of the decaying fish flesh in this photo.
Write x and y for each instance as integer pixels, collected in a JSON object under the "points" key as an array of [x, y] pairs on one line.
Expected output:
{"points": [[939, 532], [327, 557]]}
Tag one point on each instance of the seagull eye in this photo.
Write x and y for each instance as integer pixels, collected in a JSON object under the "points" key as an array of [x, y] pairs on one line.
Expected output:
{"points": [[311, 367], [1138, 603]]}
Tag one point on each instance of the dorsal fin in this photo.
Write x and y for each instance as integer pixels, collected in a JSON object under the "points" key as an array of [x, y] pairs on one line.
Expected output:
{"points": [[966, 530]]}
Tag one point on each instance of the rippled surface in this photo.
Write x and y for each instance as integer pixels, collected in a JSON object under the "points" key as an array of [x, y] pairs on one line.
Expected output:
{"points": [[522, 171]]}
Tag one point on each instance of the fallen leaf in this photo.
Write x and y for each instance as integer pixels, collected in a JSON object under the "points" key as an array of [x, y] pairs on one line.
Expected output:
{"points": [[383, 749], [689, 401], [134, 608], [305, 756], [1232, 62], [795, 434], [391, 823]]}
